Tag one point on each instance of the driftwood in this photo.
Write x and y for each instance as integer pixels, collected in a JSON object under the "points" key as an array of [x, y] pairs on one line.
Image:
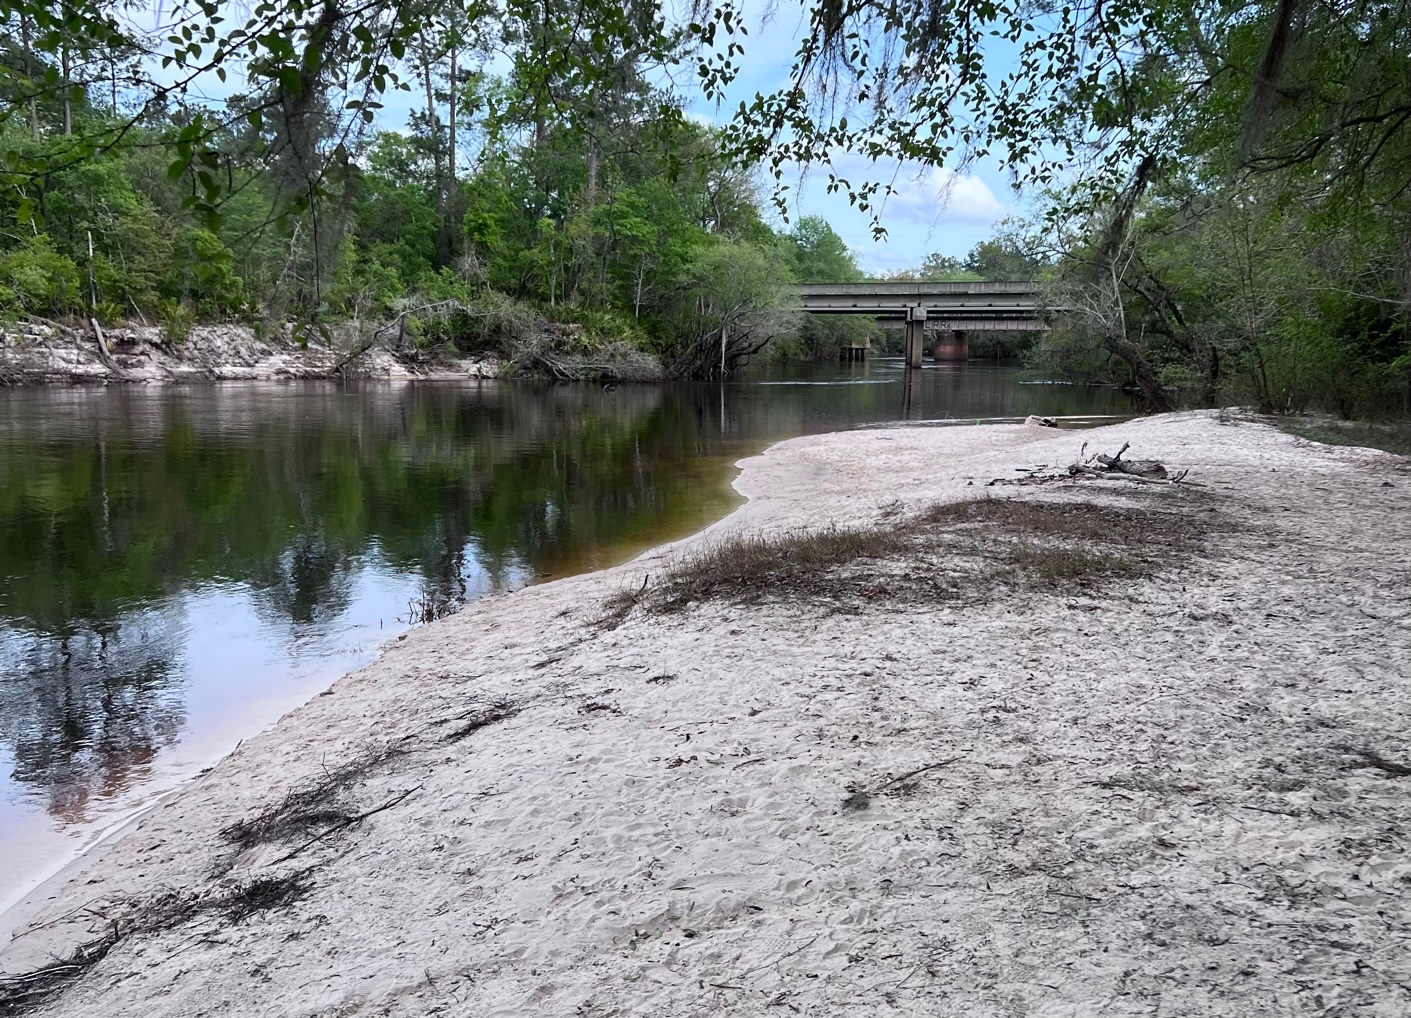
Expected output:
{"points": [[1137, 468], [1116, 468]]}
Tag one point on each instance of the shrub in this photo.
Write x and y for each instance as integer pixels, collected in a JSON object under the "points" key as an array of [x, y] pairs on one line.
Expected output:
{"points": [[109, 312], [177, 320], [38, 279]]}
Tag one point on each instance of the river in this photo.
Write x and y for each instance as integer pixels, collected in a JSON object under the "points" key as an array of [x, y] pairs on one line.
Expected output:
{"points": [[179, 566]]}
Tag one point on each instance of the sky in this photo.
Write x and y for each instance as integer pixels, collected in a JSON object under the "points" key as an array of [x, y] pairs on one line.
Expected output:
{"points": [[933, 209]]}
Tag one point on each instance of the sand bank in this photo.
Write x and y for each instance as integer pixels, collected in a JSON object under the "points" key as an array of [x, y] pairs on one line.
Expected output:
{"points": [[1160, 800]]}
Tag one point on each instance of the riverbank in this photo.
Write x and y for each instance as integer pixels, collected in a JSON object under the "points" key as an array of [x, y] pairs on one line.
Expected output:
{"points": [[1159, 768], [36, 353], [39, 354]]}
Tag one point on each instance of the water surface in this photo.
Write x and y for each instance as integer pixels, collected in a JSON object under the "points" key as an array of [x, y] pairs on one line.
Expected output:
{"points": [[181, 565]]}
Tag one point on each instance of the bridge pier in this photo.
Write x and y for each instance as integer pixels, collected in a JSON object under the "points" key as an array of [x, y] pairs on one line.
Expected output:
{"points": [[951, 345], [915, 347]]}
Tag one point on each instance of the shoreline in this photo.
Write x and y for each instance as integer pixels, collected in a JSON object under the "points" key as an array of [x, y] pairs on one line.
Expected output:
{"points": [[655, 825], [21, 905], [34, 355]]}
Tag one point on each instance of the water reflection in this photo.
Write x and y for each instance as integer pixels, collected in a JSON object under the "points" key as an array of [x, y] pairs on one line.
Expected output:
{"points": [[166, 549], [84, 713]]}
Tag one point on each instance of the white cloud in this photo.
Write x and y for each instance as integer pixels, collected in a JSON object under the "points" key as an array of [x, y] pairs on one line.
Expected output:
{"points": [[933, 195], [930, 210], [945, 195]]}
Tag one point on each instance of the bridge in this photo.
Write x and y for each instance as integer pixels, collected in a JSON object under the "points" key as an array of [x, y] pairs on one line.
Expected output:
{"points": [[941, 312]]}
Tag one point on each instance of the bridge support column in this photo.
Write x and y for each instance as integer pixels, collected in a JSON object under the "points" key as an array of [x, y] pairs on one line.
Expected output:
{"points": [[951, 345], [915, 336]]}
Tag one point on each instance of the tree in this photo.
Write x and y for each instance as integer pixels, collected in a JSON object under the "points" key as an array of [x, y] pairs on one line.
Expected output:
{"points": [[733, 304], [820, 255]]}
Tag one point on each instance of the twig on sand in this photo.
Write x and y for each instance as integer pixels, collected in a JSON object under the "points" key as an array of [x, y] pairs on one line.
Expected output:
{"points": [[1073, 894], [1270, 809], [911, 774], [915, 968], [863, 796], [777, 960], [396, 800], [1162, 696], [1381, 763]]}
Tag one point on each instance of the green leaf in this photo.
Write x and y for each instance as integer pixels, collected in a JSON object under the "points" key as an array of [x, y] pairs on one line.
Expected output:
{"points": [[290, 82]]}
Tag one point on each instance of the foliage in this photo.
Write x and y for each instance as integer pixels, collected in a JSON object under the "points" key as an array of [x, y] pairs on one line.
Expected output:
{"points": [[1154, 133], [177, 321], [36, 278], [1222, 202], [731, 305], [585, 184]]}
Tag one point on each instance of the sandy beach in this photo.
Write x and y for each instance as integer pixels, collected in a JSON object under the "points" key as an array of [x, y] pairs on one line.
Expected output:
{"points": [[1178, 790]]}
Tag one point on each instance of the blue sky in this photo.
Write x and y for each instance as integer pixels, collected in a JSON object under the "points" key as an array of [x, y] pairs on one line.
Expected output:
{"points": [[933, 209]]}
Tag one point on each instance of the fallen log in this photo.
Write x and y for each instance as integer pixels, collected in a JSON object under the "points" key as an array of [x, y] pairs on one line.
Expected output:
{"points": [[1115, 475], [1137, 468], [104, 354], [1115, 468]]}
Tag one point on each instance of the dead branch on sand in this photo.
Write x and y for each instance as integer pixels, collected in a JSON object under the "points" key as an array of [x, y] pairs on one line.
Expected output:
{"points": [[1116, 468], [1371, 758], [25, 992], [862, 798], [345, 824]]}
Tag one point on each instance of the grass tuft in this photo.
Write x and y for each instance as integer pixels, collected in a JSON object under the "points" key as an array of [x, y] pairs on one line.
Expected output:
{"points": [[948, 552], [753, 566]]}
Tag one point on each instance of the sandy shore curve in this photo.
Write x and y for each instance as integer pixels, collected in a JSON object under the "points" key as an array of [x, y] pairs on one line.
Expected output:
{"points": [[1174, 793]]}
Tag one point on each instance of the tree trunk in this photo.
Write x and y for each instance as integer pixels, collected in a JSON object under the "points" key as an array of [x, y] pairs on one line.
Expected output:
{"points": [[592, 164], [68, 105], [1114, 338], [451, 113], [29, 75], [1142, 371], [434, 127], [452, 190]]}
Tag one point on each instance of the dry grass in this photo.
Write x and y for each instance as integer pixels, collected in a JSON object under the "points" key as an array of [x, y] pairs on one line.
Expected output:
{"points": [[1389, 436], [26, 992], [1078, 521], [755, 566], [952, 551]]}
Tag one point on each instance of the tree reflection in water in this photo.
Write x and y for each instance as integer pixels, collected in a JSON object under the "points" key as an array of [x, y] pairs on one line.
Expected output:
{"points": [[84, 713]]}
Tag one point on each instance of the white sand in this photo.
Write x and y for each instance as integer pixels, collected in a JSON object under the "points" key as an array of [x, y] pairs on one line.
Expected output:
{"points": [[1150, 814]]}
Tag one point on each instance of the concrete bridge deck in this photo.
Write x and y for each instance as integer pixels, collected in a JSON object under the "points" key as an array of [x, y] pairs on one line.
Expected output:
{"points": [[941, 313]]}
